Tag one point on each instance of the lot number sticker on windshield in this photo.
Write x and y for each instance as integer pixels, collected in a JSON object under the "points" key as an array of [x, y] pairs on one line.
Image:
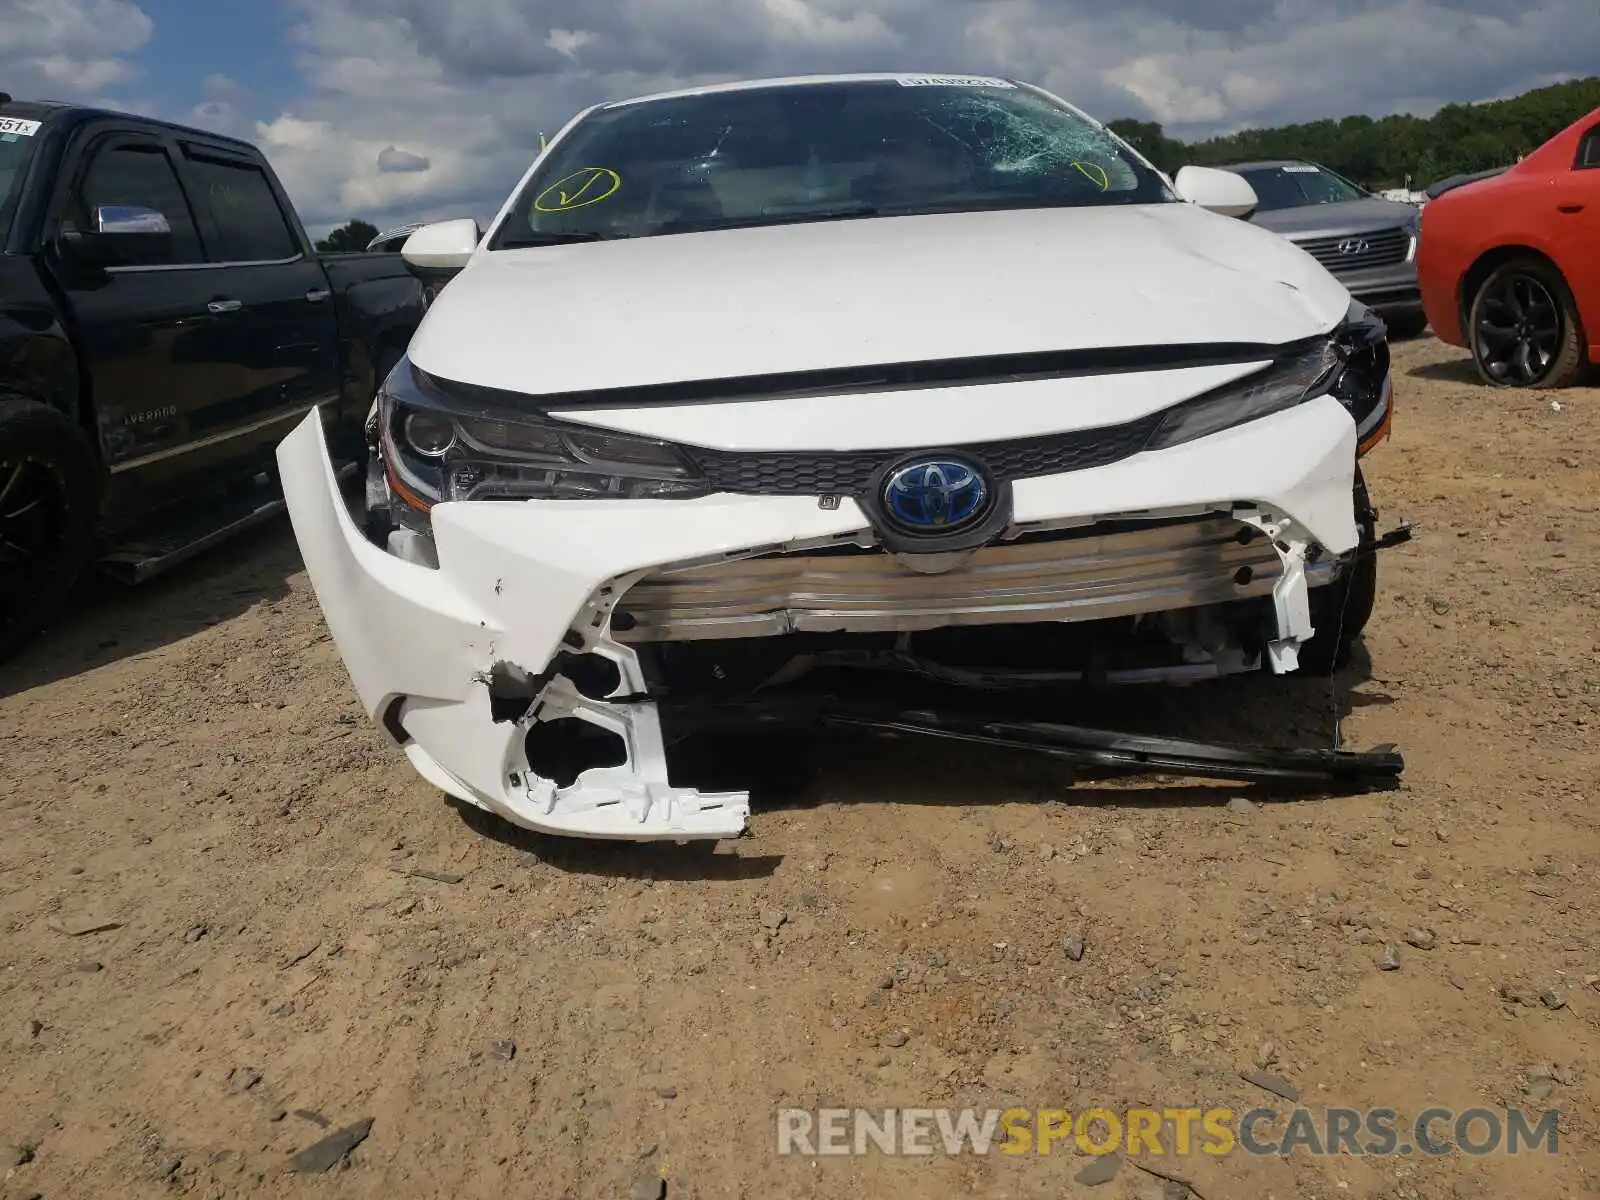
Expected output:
{"points": [[1294, 170], [951, 81], [18, 126], [586, 185]]}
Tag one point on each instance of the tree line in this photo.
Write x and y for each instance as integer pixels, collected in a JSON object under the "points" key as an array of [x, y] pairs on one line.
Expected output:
{"points": [[1388, 152], [350, 238]]}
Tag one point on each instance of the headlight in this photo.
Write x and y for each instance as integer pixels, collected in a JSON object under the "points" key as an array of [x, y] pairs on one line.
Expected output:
{"points": [[429, 434], [439, 448], [1351, 364]]}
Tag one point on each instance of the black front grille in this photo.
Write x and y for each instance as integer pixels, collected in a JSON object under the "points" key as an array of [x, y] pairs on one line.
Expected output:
{"points": [[848, 473], [1359, 251]]}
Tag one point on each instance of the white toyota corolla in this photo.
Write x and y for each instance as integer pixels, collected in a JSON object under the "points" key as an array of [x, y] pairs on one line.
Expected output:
{"points": [[873, 373]]}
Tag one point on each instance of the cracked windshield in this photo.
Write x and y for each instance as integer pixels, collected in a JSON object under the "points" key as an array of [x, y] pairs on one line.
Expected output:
{"points": [[781, 155]]}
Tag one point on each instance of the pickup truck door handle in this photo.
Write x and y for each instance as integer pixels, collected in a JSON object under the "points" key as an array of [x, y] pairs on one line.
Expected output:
{"points": [[318, 295], [1569, 208], [224, 306]]}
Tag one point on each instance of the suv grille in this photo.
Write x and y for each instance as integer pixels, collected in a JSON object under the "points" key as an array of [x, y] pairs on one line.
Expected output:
{"points": [[847, 473], [1358, 251]]}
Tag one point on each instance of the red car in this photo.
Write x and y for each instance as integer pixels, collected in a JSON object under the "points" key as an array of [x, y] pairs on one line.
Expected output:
{"points": [[1510, 266]]}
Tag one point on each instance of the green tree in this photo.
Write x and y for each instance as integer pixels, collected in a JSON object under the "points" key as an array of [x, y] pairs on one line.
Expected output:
{"points": [[349, 238], [1383, 153], [1150, 140]]}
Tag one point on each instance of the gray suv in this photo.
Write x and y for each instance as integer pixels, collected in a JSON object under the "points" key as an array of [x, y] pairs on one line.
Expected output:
{"points": [[1369, 244]]}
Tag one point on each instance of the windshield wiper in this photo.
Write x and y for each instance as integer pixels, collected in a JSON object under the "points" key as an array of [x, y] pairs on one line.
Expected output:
{"points": [[528, 240], [780, 216], [820, 212]]}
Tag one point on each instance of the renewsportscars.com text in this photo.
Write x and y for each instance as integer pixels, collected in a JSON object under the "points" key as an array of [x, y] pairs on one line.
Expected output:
{"points": [[1375, 1132]]}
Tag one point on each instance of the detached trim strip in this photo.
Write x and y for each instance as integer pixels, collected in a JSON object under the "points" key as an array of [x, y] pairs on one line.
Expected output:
{"points": [[904, 376]]}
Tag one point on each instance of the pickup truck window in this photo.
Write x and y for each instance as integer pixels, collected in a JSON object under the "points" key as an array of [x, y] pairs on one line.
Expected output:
{"points": [[250, 227], [138, 174], [15, 150]]}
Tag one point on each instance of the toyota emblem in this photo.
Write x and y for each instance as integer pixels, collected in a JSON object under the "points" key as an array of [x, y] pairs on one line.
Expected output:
{"points": [[936, 496]]}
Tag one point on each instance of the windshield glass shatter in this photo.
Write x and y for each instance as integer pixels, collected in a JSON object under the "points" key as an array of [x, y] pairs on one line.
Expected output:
{"points": [[828, 151]]}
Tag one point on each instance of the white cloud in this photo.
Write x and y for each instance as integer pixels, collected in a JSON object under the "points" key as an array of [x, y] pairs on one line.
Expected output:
{"points": [[1307, 63], [69, 49], [567, 42], [217, 86]]}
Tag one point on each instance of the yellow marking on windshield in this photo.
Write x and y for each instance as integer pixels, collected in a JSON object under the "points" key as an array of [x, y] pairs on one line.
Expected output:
{"points": [[585, 186], [1098, 177]]}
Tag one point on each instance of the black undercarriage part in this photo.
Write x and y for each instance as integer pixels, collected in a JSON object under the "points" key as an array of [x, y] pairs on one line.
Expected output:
{"points": [[1299, 769]]}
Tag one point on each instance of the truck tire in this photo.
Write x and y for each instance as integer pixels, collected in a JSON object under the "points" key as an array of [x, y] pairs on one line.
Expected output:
{"points": [[47, 516], [1524, 328], [1340, 611]]}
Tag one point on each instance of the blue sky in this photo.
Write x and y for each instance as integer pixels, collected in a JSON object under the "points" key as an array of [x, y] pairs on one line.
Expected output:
{"points": [[394, 110], [246, 40]]}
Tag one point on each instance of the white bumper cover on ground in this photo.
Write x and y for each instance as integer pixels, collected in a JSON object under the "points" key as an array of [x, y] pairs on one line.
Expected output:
{"points": [[518, 580]]}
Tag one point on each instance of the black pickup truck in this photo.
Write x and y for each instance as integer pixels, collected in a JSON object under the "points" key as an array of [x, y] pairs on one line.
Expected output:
{"points": [[163, 322]]}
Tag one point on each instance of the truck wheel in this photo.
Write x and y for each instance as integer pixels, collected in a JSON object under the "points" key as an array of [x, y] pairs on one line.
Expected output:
{"points": [[47, 516], [1340, 611], [1524, 327]]}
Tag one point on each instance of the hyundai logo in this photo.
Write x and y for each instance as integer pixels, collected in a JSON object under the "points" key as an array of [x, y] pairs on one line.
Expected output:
{"points": [[936, 495], [1354, 246]]}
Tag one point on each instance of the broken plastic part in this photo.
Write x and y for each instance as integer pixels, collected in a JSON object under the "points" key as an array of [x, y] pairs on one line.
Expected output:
{"points": [[1291, 595], [512, 690], [1398, 536], [628, 796]]}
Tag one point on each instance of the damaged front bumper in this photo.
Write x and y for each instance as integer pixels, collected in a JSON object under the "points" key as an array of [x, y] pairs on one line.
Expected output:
{"points": [[526, 615]]}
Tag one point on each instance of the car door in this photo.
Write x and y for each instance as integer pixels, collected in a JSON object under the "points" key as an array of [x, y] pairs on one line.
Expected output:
{"points": [[137, 323], [1577, 229], [283, 332]]}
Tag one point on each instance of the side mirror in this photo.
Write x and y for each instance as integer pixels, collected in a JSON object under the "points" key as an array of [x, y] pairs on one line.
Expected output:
{"points": [[130, 221], [123, 235], [434, 253], [1218, 191], [125, 220]]}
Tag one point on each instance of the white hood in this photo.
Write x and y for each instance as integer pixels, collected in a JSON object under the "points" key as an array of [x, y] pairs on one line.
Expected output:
{"points": [[850, 293]]}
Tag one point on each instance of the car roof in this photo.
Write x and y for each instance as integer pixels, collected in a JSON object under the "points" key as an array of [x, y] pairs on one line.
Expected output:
{"points": [[33, 110], [795, 81], [38, 110]]}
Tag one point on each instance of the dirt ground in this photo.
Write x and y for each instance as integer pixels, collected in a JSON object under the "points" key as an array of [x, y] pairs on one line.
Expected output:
{"points": [[187, 767]]}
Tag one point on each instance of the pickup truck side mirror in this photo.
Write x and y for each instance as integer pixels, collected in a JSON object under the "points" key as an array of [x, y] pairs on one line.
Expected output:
{"points": [[434, 253], [122, 220], [1218, 191], [123, 235]]}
